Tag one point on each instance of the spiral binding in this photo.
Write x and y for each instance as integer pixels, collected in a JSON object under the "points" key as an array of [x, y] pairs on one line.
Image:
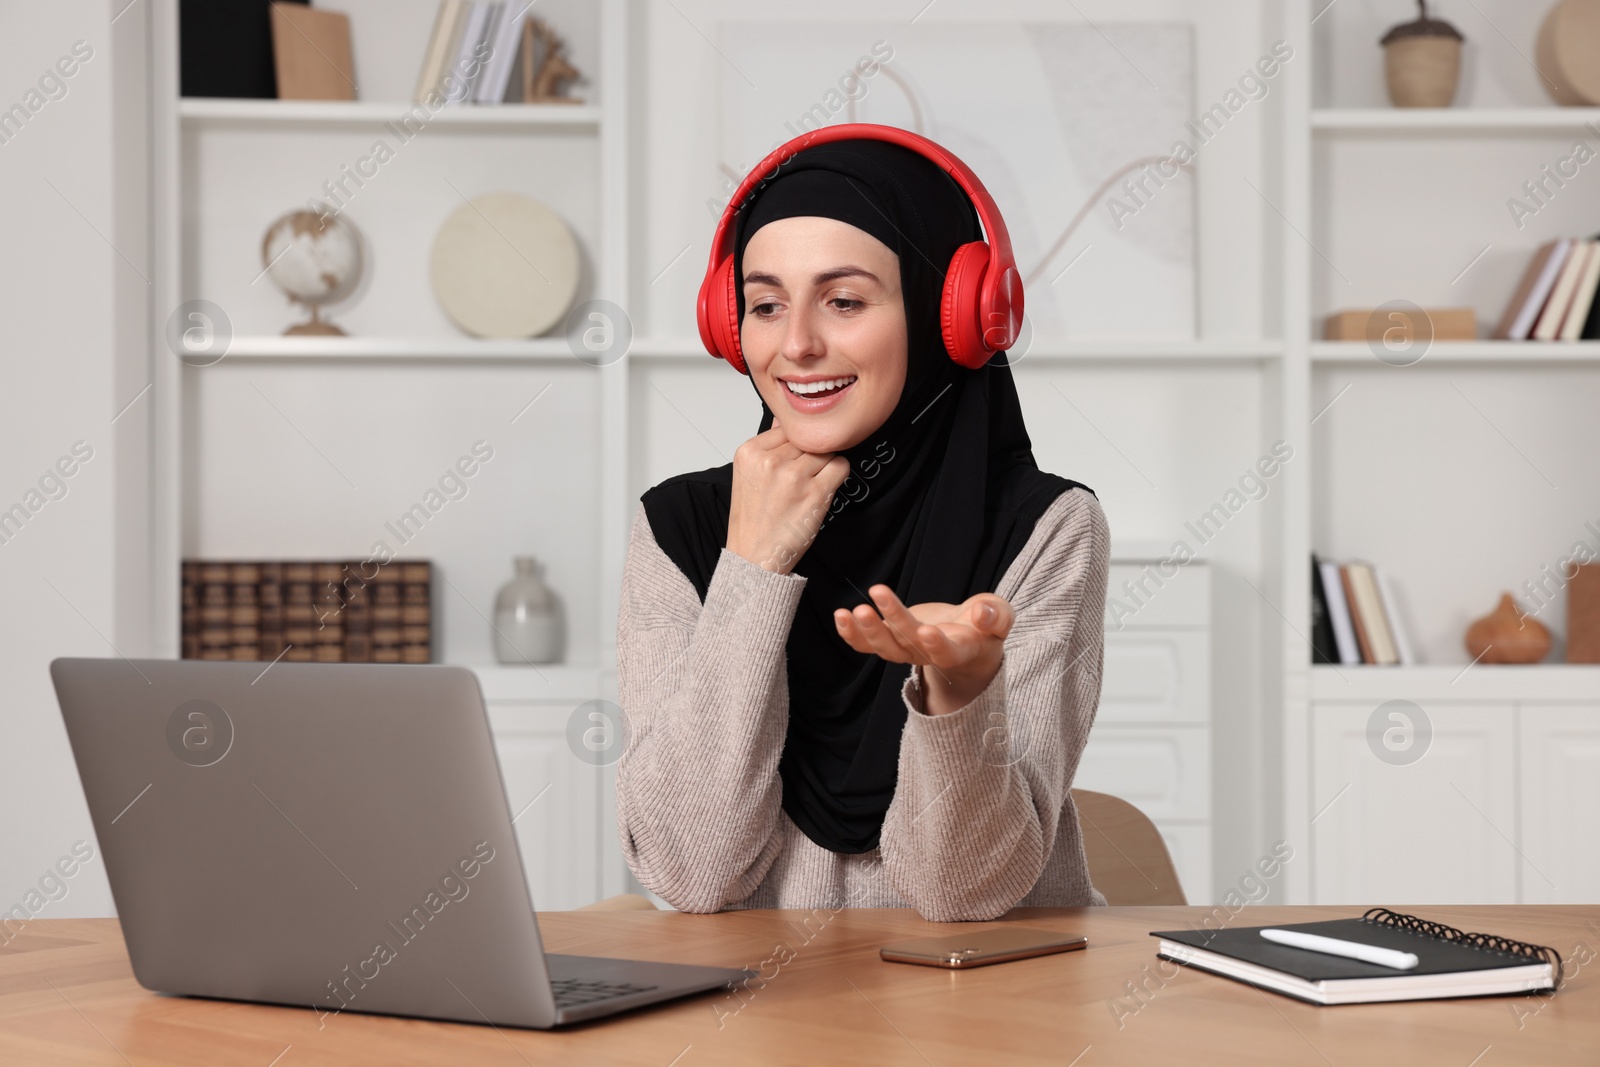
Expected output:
{"points": [[1491, 942]]}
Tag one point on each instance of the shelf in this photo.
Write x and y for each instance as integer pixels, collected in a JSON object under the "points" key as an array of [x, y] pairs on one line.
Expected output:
{"points": [[1108, 351], [1537, 682], [545, 683], [209, 111], [444, 349], [1519, 353], [1453, 119]]}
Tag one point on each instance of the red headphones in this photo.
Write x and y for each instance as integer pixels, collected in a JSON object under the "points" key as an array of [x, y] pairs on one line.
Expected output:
{"points": [[980, 311]]}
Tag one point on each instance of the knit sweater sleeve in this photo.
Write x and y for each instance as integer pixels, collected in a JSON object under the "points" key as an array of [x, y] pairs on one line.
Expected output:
{"points": [[981, 790], [698, 793]]}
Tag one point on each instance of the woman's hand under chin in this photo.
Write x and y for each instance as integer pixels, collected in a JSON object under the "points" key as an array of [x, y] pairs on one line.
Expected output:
{"points": [[960, 646]]}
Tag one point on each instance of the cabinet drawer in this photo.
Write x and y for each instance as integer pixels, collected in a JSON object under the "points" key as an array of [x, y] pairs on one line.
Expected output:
{"points": [[1150, 599], [1156, 676], [1164, 772]]}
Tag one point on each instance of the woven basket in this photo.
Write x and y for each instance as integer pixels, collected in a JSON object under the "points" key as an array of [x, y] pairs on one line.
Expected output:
{"points": [[1422, 71]]}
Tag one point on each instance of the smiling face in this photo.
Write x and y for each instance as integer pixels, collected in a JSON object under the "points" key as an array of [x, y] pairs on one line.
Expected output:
{"points": [[824, 315]]}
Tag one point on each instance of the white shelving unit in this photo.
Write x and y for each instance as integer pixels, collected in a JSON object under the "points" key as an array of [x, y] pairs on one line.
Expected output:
{"points": [[1550, 682], [224, 168], [1507, 353], [1451, 119], [197, 111], [455, 349], [1412, 204]]}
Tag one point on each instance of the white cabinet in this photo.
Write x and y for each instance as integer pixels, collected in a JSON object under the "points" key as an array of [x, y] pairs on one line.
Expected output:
{"points": [[1151, 741], [1437, 830], [560, 801], [555, 800], [1502, 807], [1559, 755]]}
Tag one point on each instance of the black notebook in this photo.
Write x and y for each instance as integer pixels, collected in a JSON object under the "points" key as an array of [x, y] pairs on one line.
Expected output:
{"points": [[1450, 963]]}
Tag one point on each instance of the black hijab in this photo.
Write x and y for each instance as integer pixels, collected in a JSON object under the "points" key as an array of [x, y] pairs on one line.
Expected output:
{"points": [[939, 501]]}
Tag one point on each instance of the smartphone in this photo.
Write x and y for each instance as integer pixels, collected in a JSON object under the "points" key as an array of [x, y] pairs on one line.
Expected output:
{"points": [[997, 944]]}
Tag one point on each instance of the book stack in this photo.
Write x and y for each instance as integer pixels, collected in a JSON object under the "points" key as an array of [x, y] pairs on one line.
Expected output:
{"points": [[473, 52], [308, 611], [1556, 299], [1354, 616]]}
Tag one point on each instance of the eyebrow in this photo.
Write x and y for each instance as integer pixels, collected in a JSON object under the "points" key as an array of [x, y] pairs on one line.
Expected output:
{"points": [[758, 278]]}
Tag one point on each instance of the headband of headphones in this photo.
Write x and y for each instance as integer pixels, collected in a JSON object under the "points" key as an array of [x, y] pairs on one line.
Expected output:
{"points": [[981, 305]]}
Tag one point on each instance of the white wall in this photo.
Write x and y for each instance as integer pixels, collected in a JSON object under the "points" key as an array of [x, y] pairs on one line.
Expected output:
{"points": [[72, 292]]}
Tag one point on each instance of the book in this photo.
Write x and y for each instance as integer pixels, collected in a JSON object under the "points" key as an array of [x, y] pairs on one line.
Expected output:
{"points": [[1533, 291], [1391, 612], [1357, 622], [1555, 309], [484, 54], [528, 61], [1369, 610], [1583, 614], [496, 78], [311, 53], [1591, 328], [1339, 612], [1324, 646], [1583, 296], [308, 611], [1450, 962], [467, 65], [225, 49], [433, 57]]}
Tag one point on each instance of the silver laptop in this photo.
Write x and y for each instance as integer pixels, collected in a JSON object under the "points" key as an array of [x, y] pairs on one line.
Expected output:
{"points": [[333, 837]]}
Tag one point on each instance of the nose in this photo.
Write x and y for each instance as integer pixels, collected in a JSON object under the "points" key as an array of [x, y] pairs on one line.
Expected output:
{"points": [[801, 340]]}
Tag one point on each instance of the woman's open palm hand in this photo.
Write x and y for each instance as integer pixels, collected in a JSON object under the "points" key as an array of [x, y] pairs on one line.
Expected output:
{"points": [[961, 642]]}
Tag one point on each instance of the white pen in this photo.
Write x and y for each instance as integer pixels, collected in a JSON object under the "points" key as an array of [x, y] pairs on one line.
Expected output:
{"points": [[1333, 946]]}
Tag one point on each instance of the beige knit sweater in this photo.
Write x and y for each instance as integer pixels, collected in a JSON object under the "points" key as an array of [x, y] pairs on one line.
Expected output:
{"points": [[982, 819]]}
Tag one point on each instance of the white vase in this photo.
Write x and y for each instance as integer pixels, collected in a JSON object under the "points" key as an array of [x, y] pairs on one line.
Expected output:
{"points": [[529, 623]]}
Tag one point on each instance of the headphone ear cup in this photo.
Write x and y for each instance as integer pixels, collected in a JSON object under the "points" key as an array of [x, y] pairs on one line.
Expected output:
{"points": [[959, 320], [718, 315]]}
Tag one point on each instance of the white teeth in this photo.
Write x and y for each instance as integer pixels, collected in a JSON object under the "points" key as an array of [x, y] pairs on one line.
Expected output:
{"points": [[807, 388]]}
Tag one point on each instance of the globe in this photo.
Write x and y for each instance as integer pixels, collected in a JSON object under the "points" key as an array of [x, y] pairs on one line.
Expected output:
{"points": [[315, 258]]}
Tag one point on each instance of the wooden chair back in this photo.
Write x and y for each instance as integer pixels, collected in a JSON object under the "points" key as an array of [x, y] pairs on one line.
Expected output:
{"points": [[621, 902], [1128, 860]]}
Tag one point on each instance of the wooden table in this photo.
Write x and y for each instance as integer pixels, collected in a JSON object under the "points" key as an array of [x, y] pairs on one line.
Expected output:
{"points": [[67, 996]]}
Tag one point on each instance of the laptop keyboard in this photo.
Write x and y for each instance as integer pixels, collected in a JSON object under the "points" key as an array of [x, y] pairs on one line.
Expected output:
{"points": [[571, 992]]}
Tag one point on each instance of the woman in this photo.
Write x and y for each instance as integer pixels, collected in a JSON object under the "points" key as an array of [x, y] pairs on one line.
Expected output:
{"points": [[797, 736]]}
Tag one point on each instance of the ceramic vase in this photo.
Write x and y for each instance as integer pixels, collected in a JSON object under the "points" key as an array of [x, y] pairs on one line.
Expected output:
{"points": [[529, 623], [1506, 635]]}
